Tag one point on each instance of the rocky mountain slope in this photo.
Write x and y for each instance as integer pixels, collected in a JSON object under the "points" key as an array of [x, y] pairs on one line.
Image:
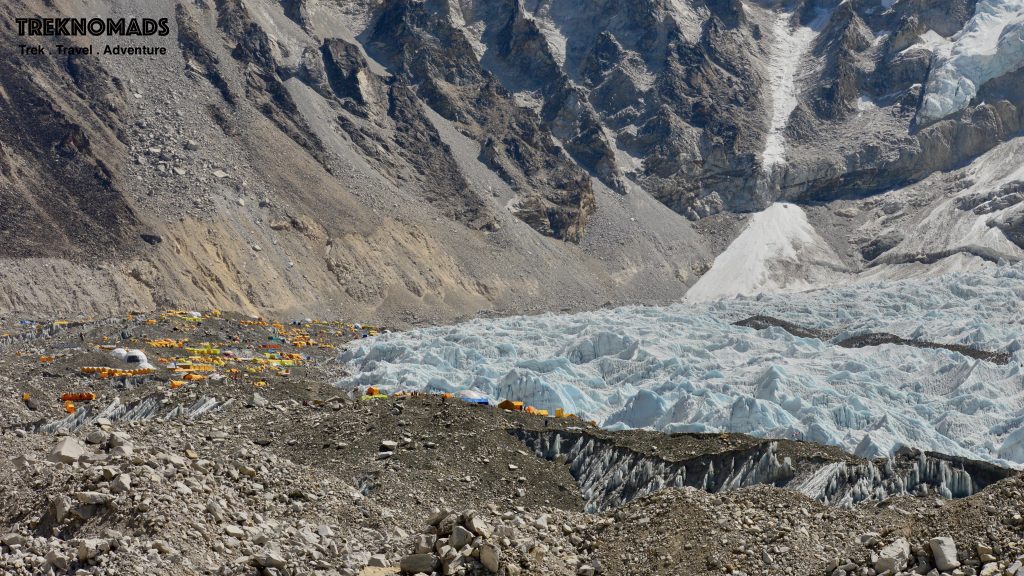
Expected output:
{"points": [[426, 160]]}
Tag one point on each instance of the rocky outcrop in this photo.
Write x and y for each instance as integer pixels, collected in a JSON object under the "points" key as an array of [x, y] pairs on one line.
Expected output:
{"points": [[839, 45], [553, 194]]}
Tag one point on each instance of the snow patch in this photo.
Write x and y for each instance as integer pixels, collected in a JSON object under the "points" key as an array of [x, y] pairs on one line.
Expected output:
{"points": [[865, 104], [787, 50], [778, 251], [937, 44], [689, 19]]}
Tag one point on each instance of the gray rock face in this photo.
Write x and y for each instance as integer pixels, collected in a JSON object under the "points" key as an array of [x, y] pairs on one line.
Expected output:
{"points": [[555, 196], [692, 103], [436, 105]]}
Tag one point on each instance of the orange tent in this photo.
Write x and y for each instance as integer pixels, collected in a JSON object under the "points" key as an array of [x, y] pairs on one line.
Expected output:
{"points": [[78, 397], [514, 405]]}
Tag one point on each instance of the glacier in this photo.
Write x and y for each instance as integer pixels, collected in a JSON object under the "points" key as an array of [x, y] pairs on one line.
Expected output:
{"points": [[687, 368], [989, 45]]}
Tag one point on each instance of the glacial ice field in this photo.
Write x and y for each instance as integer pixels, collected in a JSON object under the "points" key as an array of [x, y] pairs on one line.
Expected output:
{"points": [[686, 367]]}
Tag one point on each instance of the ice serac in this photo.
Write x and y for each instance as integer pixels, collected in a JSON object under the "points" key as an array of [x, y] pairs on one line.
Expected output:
{"points": [[990, 45], [154, 406], [1012, 448], [610, 475], [778, 251]]}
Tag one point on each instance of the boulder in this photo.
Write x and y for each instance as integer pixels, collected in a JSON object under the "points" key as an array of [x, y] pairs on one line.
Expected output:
{"points": [[90, 548], [57, 560], [258, 401], [416, 563], [990, 569], [447, 524], [490, 556], [271, 559], [96, 437], [122, 483], [893, 557], [119, 438], [67, 451], [425, 543], [13, 539], [479, 527], [944, 551], [460, 537]]}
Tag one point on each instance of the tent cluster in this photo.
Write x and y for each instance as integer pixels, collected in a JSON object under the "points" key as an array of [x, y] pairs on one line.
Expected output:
{"points": [[517, 406], [26, 329], [472, 397], [69, 399], [245, 356], [105, 372], [186, 315], [206, 361]]}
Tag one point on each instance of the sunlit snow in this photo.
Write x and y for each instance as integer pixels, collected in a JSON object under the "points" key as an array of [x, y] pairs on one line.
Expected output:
{"points": [[778, 251], [788, 47]]}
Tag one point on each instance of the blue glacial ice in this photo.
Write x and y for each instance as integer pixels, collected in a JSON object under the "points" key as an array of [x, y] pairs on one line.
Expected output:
{"points": [[686, 368], [989, 45]]}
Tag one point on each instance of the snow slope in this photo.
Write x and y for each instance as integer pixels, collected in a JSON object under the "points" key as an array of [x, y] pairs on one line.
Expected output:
{"points": [[788, 47], [778, 251], [990, 45], [947, 227], [687, 368]]}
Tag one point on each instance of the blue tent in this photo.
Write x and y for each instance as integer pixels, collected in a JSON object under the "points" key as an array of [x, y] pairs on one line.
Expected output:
{"points": [[474, 397]]}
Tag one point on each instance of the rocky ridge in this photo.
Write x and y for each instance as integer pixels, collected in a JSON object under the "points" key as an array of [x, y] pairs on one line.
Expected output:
{"points": [[459, 146]]}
